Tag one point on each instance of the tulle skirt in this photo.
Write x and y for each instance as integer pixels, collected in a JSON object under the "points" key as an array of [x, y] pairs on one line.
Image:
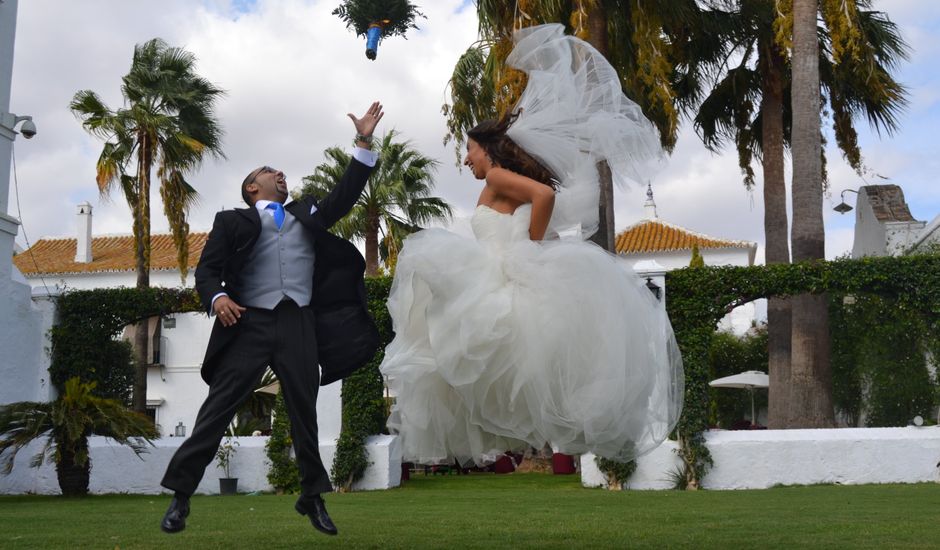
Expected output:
{"points": [[503, 347]]}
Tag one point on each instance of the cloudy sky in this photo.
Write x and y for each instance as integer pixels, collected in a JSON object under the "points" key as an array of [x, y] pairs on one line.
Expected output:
{"points": [[292, 71]]}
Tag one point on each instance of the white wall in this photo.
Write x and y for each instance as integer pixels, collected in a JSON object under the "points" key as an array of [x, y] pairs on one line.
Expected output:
{"points": [[86, 281], [900, 236], [869, 232], [759, 459], [178, 383], [928, 236], [115, 468], [876, 238], [24, 327], [741, 318], [678, 259]]}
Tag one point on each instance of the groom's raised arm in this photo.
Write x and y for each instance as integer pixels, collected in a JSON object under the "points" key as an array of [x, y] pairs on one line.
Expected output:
{"points": [[343, 197]]}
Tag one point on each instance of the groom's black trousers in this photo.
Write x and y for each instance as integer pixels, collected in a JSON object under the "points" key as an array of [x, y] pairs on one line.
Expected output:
{"points": [[285, 339]]}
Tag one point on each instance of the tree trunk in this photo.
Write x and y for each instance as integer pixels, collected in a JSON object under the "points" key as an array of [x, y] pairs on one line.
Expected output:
{"points": [[811, 381], [372, 245], [73, 478], [142, 242], [597, 37], [776, 230]]}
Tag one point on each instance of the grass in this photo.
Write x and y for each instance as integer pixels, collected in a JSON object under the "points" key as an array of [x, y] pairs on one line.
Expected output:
{"points": [[489, 511]]}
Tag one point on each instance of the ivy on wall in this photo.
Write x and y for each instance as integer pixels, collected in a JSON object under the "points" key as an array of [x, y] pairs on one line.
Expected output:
{"points": [[879, 361], [84, 343], [364, 408], [697, 298]]}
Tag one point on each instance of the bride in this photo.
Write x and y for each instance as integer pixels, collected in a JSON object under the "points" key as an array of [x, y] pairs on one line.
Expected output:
{"points": [[521, 337]]}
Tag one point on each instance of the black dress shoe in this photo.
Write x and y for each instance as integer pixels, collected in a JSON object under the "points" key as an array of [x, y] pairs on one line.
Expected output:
{"points": [[174, 520], [315, 509]]}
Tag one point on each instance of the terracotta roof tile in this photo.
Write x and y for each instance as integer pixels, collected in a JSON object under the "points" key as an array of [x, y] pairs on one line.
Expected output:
{"points": [[659, 236], [109, 253]]}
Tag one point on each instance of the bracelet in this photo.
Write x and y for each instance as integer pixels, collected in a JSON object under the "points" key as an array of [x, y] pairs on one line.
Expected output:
{"points": [[364, 138]]}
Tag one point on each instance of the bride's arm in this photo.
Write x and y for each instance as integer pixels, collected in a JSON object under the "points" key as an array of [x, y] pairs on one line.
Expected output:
{"points": [[526, 190]]}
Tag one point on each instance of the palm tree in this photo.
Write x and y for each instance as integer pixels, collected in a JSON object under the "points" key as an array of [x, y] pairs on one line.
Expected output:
{"points": [[167, 122], [66, 423], [810, 397], [396, 200], [648, 42], [749, 106]]}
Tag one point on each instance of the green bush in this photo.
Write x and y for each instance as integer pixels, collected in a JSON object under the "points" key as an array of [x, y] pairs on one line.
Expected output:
{"points": [[84, 343], [618, 473], [364, 408], [283, 475]]}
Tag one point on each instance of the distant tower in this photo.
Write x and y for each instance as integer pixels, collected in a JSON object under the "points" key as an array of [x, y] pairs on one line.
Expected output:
{"points": [[650, 206]]}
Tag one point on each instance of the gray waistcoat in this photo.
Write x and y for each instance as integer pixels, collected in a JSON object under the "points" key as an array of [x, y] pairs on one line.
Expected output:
{"points": [[280, 264]]}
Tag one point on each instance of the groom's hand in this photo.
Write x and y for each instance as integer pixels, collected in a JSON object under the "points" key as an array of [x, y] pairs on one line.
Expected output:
{"points": [[227, 310], [365, 126]]}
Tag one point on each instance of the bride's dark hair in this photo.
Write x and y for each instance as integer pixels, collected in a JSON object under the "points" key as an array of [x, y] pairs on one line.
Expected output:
{"points": [[503, 151]]}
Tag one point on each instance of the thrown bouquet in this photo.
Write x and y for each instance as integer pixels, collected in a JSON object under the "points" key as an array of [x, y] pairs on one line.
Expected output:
{"points": [[378, 19]]}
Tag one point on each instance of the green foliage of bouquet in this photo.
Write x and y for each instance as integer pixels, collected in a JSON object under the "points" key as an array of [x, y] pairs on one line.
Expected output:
{"points": [[395, 16]]}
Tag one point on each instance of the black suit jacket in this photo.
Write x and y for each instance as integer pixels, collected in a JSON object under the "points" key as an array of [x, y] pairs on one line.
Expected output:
{"points": [[346, 335]]}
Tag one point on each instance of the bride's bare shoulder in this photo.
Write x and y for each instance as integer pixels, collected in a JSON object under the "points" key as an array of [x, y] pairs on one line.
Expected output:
{"points": [[499, 176]]}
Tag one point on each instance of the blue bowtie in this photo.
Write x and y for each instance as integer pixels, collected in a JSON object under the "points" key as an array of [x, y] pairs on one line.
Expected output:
{"points": [[278, 213]]}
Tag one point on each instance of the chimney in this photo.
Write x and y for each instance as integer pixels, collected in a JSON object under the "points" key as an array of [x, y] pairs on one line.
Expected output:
{"points": [[83, 245]]}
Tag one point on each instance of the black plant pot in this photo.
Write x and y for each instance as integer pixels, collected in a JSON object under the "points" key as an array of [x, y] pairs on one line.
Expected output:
{"points": [[228, 485]]}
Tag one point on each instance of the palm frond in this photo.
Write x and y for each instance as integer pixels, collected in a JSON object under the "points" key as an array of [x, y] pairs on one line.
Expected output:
{"points": [[168, 122], [397, 192], [20, 424]]}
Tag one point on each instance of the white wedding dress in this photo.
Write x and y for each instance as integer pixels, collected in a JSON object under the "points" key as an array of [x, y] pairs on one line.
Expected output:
{"points": [[502, 343]]}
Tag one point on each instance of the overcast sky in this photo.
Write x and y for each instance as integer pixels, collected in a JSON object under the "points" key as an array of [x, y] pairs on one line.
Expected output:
{"points": [[292, 71]]}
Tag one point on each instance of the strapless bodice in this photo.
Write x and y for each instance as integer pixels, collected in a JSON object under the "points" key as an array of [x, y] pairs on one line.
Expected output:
{"points": [[494, 227]]}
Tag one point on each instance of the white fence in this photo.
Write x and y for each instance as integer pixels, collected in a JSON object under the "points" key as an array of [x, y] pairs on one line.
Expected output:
{"points": [[115, 468], [760, 459]]}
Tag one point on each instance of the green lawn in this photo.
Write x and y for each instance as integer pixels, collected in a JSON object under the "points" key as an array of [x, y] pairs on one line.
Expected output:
{"points": [[489, 511]]}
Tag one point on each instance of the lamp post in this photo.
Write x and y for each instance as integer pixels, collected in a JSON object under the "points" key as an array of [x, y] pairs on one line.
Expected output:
{"points": [[653, 287], [842, 207]]}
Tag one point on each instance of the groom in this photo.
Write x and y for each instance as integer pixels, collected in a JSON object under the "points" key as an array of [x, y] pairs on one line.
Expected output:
{"points": [[286, 294]]}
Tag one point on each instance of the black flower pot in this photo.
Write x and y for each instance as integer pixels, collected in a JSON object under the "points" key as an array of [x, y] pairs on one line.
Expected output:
{"points": [[228, 485]]}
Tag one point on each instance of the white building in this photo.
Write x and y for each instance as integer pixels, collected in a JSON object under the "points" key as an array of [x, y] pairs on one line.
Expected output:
{"points": [[23, 317], [884, 225], [175, 389], [655, 246]]}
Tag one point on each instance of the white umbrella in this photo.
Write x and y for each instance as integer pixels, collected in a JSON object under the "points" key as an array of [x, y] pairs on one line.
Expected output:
{"points": [[748, 380], [273, 388]]}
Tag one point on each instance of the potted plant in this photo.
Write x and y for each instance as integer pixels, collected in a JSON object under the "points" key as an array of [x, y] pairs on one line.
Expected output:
{"points": [[228, 485], [66, 424], [378, 19]]}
